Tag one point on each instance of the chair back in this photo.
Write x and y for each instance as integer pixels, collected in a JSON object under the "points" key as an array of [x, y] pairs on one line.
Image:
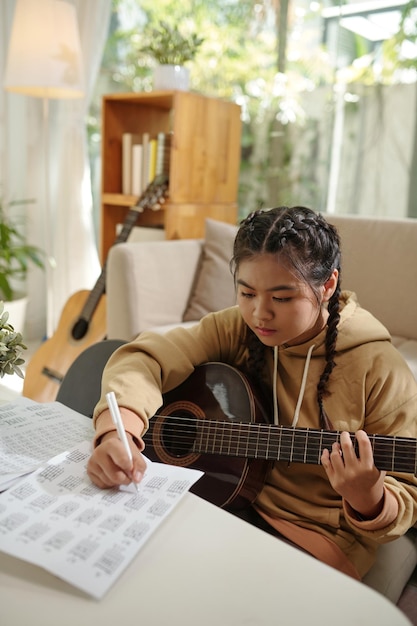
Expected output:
{"points": [[81, 387]]}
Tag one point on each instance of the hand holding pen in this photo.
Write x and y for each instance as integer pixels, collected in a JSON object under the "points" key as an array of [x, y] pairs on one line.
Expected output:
{"points": [[117, 420]]}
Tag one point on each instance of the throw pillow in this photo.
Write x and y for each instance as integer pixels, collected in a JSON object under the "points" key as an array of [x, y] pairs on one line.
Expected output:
{"points": [[214, 288]]}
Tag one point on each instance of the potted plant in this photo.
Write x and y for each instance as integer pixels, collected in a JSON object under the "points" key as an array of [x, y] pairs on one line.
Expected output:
{"points": [[171, 49], [15, 257], [11, 346]]}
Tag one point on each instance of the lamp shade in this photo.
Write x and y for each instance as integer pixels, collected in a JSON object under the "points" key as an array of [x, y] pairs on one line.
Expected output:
{"points": [[44, 56]]}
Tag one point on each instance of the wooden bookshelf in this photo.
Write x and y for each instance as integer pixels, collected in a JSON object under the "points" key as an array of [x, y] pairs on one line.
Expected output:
{"points": [[204, 160]]}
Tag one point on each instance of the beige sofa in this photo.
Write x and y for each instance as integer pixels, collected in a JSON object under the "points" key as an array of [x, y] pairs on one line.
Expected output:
{"points": [[157, 285]]}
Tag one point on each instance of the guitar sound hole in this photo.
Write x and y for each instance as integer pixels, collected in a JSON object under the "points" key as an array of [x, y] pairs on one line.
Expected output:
{"points": [[79, 329], [178, 435]]}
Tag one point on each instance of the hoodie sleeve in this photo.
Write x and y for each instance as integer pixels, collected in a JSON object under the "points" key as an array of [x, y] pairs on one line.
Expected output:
{"points": [[389, 524], [400, 419], [139, 372]]}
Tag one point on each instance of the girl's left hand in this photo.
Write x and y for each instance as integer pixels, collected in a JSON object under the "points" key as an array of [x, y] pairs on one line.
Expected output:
{"points": [[355, 478]]}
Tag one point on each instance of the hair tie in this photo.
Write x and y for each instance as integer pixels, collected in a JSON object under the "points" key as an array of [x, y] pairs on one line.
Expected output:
{"points": [[250, 220]]}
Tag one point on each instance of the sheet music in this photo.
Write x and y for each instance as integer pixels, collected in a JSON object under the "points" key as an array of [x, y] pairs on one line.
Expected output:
{"points": [[33, 432], [57, 519]]}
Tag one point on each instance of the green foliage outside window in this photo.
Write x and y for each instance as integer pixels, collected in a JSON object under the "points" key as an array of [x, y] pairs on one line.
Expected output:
{"points": [[238, 60]]}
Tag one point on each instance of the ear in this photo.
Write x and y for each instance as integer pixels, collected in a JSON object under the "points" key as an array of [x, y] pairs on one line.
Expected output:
{"points": [[330, 285]]}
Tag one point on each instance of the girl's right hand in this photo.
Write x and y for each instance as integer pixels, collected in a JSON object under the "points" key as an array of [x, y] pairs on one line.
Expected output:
{"points": [[109, 465]]}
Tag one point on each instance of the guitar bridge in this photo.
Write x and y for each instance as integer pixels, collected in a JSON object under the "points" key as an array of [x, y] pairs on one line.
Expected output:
{"points": [[56, 376]]}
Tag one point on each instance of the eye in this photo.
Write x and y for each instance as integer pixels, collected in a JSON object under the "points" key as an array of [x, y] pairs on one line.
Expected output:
{"points": [[246, 294], [275, 299]]}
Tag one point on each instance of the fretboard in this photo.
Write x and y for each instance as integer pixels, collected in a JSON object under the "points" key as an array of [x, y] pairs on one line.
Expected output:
{"points": [[279, 443]]}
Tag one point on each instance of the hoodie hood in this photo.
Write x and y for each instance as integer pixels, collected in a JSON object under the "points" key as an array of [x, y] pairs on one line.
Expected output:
{"points": [[356, 328]]}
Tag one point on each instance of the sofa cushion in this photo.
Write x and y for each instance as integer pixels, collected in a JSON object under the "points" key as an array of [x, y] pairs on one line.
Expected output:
{"points": [[408, 350], [395, 562], [379, 265], [214, 288]]}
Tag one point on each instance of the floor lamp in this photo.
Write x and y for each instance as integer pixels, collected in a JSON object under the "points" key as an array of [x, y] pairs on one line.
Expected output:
{"points": [[44, 60]]}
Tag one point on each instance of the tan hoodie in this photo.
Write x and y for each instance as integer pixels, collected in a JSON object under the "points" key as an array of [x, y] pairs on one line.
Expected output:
{"points": [[371, 387]]}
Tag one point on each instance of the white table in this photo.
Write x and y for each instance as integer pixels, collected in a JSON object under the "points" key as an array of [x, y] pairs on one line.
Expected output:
{"points": [[202, 566]]}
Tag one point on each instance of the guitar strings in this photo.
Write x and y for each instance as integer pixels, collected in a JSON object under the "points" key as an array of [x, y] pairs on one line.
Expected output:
{"points": [[188, 435]]}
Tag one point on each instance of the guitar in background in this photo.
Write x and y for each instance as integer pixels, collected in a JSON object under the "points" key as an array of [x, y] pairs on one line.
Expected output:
{"points": [[83, 319]]}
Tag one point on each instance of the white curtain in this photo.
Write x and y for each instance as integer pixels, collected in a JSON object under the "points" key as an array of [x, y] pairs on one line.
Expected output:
{"points": [[22, 170]]}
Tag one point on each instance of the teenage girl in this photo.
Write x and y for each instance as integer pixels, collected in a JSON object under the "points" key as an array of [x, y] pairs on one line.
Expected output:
{"points": [[325, 362]]}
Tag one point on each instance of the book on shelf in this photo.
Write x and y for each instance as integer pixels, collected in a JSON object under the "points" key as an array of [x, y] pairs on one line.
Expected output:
{"points": [[145, 161], [143, 158], [137, 161], [128, 141], [152, 160]]}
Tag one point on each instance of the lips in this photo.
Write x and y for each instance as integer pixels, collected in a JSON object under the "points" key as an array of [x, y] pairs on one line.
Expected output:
{"points": [[265, 332]]}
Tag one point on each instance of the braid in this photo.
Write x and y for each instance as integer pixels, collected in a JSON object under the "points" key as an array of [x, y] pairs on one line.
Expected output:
{"points": [[330, 344], [311, 247], [256, 357]]}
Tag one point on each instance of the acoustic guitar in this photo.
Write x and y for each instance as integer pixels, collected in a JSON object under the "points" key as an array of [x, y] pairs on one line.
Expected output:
{"points": [[83, 319], [215, 422]]}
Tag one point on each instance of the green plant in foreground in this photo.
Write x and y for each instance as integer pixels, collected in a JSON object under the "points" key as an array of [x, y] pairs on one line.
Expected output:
{"points": [[15, 254], [11, 346]]}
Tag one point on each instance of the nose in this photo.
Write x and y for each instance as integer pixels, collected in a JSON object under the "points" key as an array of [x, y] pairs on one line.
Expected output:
{"points": [[262, 311]]}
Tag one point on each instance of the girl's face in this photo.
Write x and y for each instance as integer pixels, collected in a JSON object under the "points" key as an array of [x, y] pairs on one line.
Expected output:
{"points": [[278, 307]]}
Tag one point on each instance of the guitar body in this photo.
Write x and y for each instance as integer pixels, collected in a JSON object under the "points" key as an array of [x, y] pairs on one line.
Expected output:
{"points": [[53, 358], [215, 392], [215, 422]]}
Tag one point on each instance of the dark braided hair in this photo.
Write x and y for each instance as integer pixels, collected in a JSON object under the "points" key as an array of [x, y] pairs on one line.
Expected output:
{"points": [[311, 248]]}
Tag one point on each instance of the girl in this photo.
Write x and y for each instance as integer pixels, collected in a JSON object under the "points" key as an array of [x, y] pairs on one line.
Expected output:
{"points": [[326, 362]]}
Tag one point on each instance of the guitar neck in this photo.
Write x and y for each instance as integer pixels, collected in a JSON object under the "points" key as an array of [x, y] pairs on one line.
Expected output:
{"points": [[279, 443], [100, 286], [153, 196]]}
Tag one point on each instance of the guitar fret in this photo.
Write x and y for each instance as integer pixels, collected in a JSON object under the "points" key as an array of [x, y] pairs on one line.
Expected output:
{"points": [[204, 435], [229, 448], [393, 455], [320, 447], [402, 453], [213, 445], [264, 441], [222, 439], [238, 440], [247, 446], [286, 444], [268, 443], [299, 450], [279, 444], [197, 443]]}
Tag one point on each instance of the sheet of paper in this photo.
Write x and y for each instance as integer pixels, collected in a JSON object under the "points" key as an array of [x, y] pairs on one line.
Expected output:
{"points": [[33, 432], [57, 519]]}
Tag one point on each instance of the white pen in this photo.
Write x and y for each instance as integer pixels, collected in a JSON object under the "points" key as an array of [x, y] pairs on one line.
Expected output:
{"points": [[117, 420]]}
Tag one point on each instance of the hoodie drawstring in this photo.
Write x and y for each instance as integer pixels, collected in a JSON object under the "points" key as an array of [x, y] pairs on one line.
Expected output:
{"points": [[274, 390], [302, 387]]}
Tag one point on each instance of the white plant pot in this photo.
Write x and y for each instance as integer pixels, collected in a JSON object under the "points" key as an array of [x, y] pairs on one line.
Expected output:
{"points": [[17, 313], [171, 77]]}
